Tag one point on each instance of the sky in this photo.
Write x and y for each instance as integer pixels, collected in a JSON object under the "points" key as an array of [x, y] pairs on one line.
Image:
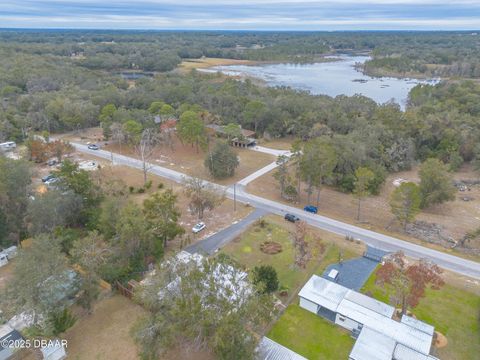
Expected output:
{"points": [[242, 14]]}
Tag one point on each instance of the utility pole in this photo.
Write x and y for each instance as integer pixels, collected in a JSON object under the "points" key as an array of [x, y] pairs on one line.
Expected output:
{"points": [[235, 197]]}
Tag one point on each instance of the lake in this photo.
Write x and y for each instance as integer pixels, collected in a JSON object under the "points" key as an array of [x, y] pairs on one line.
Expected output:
{"points": [[329, 78]]}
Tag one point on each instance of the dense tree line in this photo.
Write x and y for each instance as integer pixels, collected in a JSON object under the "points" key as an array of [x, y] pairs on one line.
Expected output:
{"points": [[455, 53], [432, 54], [44, 89]]}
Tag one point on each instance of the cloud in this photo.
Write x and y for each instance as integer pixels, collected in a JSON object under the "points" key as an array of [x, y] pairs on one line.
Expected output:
{"points": [[245, 14]]}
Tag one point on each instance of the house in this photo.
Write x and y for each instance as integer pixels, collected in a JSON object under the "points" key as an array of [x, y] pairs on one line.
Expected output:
{"points": [[231, 284], [8, 334], [379, 336], [8, 146], [245, 140], [268, 349]]}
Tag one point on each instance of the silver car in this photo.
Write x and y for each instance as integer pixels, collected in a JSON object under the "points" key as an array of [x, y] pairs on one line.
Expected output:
{"points": [[199, 227]]}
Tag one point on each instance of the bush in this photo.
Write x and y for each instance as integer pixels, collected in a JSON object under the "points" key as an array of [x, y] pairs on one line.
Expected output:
{"points": [[261, 223], [131, 189], [61, 321], [141, 190], [347, 183], [148, 184], [265, 278], [160, 186]]}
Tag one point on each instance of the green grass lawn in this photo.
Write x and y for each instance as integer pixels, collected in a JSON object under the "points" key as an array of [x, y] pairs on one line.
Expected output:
{"points": [[310, 335], [453, 311], [246, 250]]}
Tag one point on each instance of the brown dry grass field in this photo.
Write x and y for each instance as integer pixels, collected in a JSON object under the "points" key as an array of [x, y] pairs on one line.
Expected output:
{"points": [[5, 274], [457, 217], [280, 144], [105, 334], [186, 159], [183, 158]]}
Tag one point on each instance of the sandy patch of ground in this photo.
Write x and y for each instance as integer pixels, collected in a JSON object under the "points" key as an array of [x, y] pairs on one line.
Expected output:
{"points": [[204, 63]]}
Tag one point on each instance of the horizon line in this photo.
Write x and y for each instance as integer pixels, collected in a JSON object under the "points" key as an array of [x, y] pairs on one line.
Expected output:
{"points": [[237, 30]]}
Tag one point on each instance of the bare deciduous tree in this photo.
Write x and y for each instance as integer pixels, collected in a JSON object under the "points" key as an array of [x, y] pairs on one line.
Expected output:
{"points": [[118, 135], [145, 150], [300, 244], [409, 281], [203, 196]]}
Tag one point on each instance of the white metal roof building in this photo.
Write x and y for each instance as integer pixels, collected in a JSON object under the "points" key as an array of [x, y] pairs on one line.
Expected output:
{"points": [[270, 350], [379, 336], [323, 292]]}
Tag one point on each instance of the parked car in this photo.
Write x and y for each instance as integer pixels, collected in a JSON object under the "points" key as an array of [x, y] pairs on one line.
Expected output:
{"points": [[198, 227], [311, 209], [291, 218], [51, 181], [93, 147], [52, 162], [48, 177]]}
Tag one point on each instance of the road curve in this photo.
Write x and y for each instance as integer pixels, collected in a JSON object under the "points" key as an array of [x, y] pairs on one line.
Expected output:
{"points": [[378, 240]]}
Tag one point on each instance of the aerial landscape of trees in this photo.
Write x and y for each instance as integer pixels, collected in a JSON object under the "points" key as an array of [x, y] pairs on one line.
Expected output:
{"points": [[130, 86]]}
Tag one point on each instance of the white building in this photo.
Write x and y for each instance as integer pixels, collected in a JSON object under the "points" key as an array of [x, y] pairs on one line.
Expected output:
{"points": [[8, 146], [268, 349], [379, 336], [7, 335], [230, 283]]}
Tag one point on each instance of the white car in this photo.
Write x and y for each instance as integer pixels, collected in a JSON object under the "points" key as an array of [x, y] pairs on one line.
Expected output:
{"points": [[52, 181], [198, 227]]}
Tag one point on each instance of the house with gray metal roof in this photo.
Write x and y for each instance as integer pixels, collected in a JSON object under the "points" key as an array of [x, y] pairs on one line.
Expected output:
{"points": [[379, 336], [268, 349]]}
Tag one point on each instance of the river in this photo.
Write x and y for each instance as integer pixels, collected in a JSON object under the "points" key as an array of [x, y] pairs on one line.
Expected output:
{"points": [[330, 78]]}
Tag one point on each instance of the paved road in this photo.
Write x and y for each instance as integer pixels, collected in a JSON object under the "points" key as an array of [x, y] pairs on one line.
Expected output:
{"points": [[381, 241], [217, 240]]}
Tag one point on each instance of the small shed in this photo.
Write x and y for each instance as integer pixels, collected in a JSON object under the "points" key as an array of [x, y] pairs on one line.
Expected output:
{"points": [[7, 333], [332, 274], [54, 350]]}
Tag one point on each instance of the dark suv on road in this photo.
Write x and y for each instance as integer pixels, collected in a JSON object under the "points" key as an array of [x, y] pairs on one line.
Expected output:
{"points": [[291, 218]]}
